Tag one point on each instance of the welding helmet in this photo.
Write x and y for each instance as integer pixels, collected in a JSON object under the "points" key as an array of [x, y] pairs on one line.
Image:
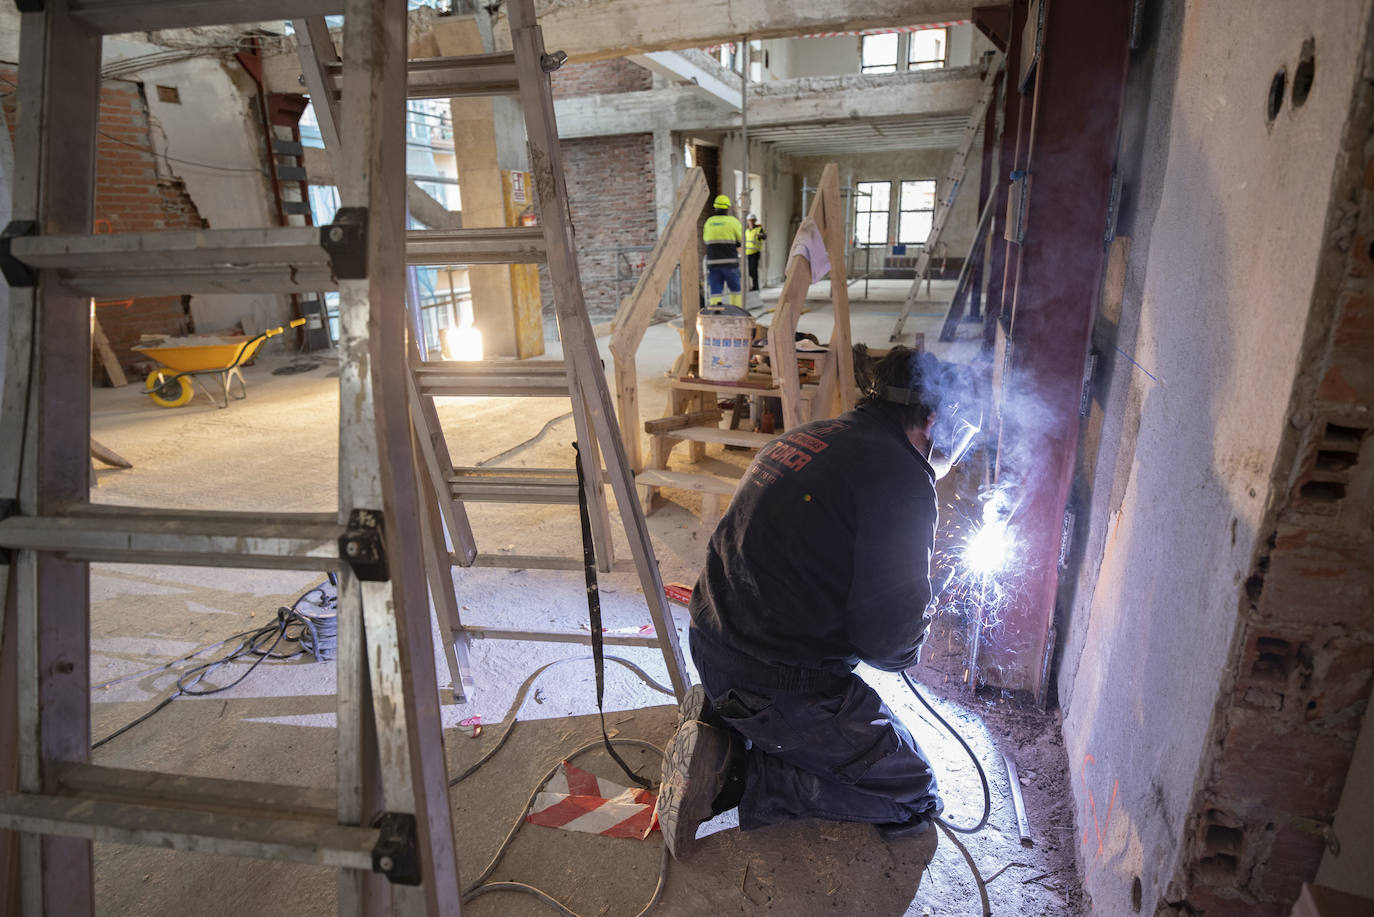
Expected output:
{"points": [[721, 202], [958, 419]]}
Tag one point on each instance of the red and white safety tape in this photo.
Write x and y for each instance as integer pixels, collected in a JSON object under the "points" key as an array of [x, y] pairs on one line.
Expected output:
{"points": [[578, 801]]}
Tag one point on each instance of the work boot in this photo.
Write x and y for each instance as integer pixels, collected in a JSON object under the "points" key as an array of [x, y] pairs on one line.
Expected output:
{"points": [[697, 706], [696, 766], [915, 826]]}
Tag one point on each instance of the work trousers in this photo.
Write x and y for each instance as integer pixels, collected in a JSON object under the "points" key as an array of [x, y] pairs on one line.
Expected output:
{"points": [[842, 755], [753, 270], [722, 277]]}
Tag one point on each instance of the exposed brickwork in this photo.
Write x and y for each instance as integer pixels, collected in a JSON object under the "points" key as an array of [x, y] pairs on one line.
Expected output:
{"points": [[130, 197], [1305, 662], [619, 75], [611, 198]]}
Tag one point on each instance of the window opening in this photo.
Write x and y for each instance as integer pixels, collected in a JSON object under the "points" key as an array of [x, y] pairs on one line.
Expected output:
{"points": [[917, 211], [872, 204]]}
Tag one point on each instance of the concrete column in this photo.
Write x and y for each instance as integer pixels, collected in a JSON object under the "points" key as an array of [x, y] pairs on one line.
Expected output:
{"points": [[667, 175], [489, 149]]}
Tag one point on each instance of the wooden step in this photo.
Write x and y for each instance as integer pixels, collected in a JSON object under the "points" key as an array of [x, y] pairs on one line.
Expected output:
{"points": [[721, 435], [687, 480], [514, 485]]}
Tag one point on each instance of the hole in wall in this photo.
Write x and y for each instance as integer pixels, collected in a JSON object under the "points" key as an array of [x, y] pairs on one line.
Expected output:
{"points": [[1276, 89], [169, 94], [1304, 73], [1273, 662], [1137, 894], [1337, 436], [1322, 491], [1328, 460], [1221, 839], [1220, 869]]}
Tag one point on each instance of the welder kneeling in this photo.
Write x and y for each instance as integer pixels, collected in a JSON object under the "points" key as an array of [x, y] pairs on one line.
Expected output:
{"points": [[821, 561]]}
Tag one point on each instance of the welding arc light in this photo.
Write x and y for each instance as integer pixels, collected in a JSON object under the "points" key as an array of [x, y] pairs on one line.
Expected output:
{"points": [[987, 550]]}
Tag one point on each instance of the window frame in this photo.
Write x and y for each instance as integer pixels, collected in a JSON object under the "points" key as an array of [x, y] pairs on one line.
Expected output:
{"points": [[933, 63], [902, 209], [885, 210]]}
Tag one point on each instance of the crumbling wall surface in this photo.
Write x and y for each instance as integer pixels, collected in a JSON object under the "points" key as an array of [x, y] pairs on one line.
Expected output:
{"points": [[130, 197], [598, 77], [1218, 645]]}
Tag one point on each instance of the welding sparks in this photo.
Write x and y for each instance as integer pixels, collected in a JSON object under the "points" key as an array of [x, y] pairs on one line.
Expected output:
{"points": [[988, 549]]}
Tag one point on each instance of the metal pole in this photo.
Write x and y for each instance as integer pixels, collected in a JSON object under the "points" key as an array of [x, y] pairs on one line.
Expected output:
{"points": [[748, 191]]}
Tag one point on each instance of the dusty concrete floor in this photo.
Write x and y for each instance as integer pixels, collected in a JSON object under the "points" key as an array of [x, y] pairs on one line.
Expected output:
{"points": [[276, 452]]}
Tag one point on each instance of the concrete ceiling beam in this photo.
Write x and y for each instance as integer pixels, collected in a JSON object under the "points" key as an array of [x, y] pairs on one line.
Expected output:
{"points": [[600, 29], [809, 100], [697, 69]]}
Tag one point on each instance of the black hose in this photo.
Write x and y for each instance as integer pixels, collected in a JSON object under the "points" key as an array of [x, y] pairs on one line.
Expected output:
{"points": [[982, 775]]}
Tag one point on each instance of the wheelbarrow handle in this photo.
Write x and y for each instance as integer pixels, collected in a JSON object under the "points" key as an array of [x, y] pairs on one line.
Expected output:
{"points": [[273, 332]]}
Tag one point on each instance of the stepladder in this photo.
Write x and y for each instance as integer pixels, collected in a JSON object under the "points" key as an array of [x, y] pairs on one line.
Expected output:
{"points": [[950, 186], [386, 826], [448, 489]]}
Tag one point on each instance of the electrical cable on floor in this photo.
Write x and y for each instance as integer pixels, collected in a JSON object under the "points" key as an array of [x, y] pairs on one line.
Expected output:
{"points": [[529, 442], [978, 765], [476, 888], [315, 633], [520, 695], [973, 867]]}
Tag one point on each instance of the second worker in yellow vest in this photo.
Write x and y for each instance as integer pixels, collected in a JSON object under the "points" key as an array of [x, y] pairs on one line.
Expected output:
{"points": [[753, 245]]}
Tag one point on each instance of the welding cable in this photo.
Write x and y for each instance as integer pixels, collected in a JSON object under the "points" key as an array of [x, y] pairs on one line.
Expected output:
{"points": [[519, 702], [477, 887], [978, 765], [317, 635], [973, 867]]}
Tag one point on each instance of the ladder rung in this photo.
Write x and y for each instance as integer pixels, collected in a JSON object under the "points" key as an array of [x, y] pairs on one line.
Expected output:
{"points": [[121, 534], [498, 245], [446, 77], [535, 562], [181, 825], [296, 208], [290, 173], [514, 485], [526, 378], [544, 636], [279, 260], [113, 17], [284, 147]]}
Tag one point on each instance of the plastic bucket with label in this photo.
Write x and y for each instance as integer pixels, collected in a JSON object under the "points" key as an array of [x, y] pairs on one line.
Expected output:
{"points": [[724, 343]]}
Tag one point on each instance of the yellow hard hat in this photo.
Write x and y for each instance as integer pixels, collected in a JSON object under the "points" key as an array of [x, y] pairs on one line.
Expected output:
{"points": [[721, 202]]}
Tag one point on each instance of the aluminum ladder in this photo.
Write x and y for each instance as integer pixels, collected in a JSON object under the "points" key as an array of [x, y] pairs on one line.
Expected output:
{"points": [[388, 826], [524, 72], [953, 181]]}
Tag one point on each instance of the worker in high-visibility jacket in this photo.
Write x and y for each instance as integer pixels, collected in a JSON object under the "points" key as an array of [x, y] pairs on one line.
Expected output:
{"points": [[753, 245], [722, 235]]}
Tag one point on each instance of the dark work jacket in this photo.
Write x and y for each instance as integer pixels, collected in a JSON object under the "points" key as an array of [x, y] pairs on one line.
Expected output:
{"points": [[822, 559]]}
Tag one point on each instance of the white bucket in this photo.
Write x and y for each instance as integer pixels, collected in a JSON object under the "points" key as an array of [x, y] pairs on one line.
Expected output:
{"points": [[724, 343]]}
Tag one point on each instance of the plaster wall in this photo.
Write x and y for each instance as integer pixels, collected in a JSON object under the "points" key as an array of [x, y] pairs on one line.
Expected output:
{"points": [[1226, 225], [814, 56], [212, 140]]}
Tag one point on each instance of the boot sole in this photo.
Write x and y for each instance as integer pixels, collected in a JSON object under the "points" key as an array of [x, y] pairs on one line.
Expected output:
{"points": [[694, 772]]}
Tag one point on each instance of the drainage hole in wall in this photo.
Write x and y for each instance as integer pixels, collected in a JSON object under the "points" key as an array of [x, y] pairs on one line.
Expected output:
{"points": [[1276, 87], [1322, 491], [1305, 72]]}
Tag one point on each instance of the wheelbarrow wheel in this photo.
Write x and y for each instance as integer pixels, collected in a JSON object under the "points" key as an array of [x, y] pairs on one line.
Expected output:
{"points": [[168, 390]]}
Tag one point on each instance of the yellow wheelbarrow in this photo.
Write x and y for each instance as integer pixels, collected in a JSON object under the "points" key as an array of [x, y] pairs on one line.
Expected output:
{"points": [[187, 359]]}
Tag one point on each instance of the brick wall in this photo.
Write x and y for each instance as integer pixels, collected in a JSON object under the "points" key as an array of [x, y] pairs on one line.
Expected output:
{"points": [[1305, 660], [611, 199], [610, 190], [618, 75], [130, 197]]}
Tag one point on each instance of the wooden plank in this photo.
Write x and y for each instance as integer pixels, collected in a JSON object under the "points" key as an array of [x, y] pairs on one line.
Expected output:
{"points": [[113, 370], [442, 592], [678, 421], [153, 788], [841, 342], [636, 310], [721, 437], [688, 480]]}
